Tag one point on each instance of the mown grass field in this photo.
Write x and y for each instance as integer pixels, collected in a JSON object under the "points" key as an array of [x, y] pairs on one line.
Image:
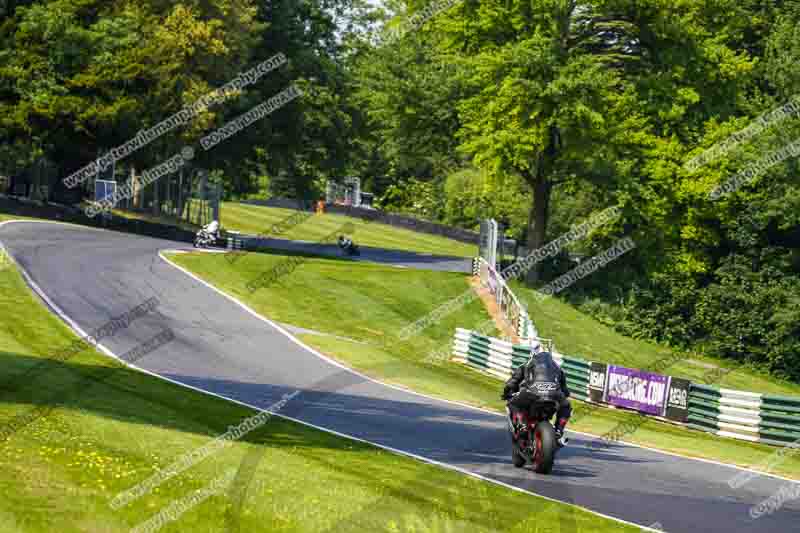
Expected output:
{"points": [[257, 220], [372, 303], [92, 438]]}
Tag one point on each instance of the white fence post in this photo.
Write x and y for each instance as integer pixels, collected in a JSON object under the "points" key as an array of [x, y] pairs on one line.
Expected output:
{"points": [[488, 241]]}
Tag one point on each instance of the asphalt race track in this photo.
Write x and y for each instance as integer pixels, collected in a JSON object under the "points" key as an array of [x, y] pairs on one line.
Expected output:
{"points": [[93, 275]]}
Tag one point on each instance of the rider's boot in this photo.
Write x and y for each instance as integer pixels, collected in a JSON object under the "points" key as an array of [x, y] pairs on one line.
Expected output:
{"points": [[560, 425]]}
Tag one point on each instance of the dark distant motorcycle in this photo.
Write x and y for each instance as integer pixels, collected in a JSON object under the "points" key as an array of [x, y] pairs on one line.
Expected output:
{"points": [[533, 437], [348, 246]]}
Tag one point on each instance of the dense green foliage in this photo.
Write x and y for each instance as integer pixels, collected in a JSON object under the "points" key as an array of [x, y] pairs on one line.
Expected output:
{"points": [[590, 104], [535, 113]]}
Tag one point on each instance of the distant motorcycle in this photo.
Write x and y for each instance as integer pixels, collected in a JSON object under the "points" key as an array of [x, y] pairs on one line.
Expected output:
{"points": [[348, 246], [533, 437], [207, 236]]}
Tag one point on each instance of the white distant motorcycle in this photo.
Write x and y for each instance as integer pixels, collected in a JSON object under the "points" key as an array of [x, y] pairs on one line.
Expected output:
{"points": [[207, 236]]}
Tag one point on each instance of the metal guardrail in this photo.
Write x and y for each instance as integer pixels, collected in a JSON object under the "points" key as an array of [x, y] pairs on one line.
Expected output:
{"points": [[513, 311]]}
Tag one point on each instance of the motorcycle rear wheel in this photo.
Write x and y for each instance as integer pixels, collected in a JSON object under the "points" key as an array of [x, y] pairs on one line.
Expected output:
{"points": [[544, 436]]}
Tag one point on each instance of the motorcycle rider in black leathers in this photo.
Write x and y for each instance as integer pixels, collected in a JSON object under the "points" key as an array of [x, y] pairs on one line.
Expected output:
{"points": [[541, 367]]}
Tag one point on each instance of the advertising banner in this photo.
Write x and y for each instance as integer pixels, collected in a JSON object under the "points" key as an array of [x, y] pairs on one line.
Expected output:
{"points": [[597, 382], [636, 389], [678, 400]]}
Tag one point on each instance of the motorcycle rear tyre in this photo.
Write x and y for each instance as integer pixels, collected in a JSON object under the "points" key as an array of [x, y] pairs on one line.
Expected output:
{"points": [[546, 443]]}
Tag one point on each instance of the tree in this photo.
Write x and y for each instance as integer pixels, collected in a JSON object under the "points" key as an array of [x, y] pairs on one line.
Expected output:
{"points": [[548, 100], [81, 77], [567, 92]]}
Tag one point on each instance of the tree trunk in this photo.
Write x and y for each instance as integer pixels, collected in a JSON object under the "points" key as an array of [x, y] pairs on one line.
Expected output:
{"points": [[537, 220], [156, 200], [542, 186], [136, 200], [181, 196]]}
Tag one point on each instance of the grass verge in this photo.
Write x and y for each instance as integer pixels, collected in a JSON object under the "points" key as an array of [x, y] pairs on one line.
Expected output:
{"points": [[372, 303]]}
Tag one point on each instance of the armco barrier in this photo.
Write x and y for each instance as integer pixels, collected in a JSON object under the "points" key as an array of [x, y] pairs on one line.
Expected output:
{"points": [[744, 415], [763, 418]]}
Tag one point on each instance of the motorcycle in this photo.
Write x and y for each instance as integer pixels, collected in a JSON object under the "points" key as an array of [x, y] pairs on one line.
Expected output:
{"points": [[533, 437], [349, 247], [204, 239]]}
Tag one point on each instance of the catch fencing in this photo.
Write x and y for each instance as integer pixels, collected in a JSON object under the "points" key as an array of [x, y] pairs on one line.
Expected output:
{"points": [[755, 417], [374, 215]]}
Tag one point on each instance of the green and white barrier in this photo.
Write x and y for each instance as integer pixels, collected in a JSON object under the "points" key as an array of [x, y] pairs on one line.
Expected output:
{"points": [[750, 416], [500, 358], [235, 241], [744, 415], [491, 355]]}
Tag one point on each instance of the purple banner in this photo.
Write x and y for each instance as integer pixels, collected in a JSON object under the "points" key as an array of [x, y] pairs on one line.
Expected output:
{"points": [[636, 389]]}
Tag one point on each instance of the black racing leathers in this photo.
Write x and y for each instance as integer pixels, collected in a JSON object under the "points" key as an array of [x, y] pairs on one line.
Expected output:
{"points": [[541, 368]]}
